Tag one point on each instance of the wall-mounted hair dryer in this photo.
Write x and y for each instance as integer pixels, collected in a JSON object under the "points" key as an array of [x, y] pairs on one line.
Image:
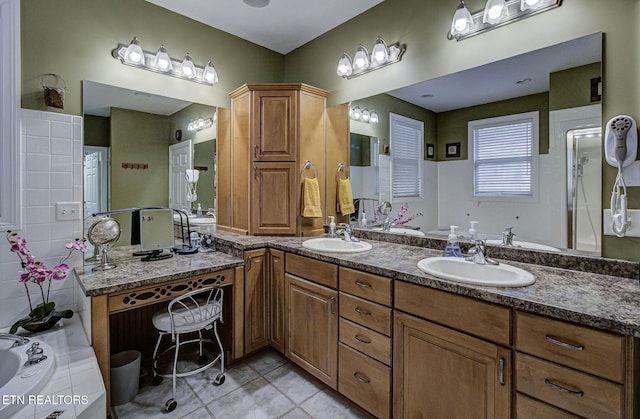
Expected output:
{"points": [[621, 147]]}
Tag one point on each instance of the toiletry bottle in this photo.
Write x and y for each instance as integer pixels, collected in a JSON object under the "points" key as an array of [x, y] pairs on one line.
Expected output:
{"points": [[452, 249], [363, 220], [473, 233], [199, 211], [332, 227]]}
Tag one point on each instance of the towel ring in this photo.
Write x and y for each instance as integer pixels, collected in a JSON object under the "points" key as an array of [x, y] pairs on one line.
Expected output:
{"points": [[342, 168], [308, 165]]}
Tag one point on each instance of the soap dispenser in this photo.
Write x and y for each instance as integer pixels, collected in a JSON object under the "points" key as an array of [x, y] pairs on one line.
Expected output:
{"points": [[363, 220], [199, 211], [452, 249], [332, 227], [473, 233]]}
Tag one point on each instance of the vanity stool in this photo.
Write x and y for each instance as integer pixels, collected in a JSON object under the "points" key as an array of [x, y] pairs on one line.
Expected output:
{"points": [[192, 312]]}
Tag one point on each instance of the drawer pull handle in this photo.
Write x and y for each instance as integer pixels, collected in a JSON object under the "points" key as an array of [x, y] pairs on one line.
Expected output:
{"points": [[563, 389], [563, 344], [361, 378], [362, 312], [501, 372], [332, 305], [363, 284], [361, 339]]}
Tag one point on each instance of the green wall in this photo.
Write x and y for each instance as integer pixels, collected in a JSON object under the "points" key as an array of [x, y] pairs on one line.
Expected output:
{"points": [[138, 137], [97, 131], [571, 88], [74, 38]]}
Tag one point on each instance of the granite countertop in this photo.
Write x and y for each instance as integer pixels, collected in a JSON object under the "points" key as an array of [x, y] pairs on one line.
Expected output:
{"points": [[607, 302], [131, 272]]}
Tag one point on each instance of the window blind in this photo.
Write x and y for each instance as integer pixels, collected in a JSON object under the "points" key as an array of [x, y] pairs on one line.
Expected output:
{"points": [[406, 155], [503, 159]]}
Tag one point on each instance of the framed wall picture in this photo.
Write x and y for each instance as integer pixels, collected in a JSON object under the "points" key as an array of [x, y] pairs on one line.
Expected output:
{"points": [[430, 151], [452, 150]]}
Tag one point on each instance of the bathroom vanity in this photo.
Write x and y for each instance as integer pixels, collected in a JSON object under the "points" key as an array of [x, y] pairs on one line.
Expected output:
{"points": [[397, 341]]}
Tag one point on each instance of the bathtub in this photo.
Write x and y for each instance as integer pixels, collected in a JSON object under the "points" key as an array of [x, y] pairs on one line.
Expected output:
{"points": [[17, 380]]}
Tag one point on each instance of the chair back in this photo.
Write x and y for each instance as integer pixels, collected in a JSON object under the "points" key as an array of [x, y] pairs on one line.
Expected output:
{"points": [[198, 307]]}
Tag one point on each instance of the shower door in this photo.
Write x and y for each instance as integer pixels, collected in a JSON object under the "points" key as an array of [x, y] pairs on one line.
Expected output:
{"points": [[584, 189]]}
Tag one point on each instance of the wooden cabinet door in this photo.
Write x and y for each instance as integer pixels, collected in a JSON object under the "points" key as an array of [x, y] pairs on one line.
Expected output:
{"points": [[311, 327], [256, 315], [274, 134], [441, 373], [274, 205], [276, 299]]}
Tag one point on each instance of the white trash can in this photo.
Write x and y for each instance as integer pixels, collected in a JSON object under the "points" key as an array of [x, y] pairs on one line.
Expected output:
{"points": [[125, 376]]}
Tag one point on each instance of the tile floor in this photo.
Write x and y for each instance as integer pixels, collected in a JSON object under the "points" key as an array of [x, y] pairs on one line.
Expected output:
{"points": [[266, 385]]}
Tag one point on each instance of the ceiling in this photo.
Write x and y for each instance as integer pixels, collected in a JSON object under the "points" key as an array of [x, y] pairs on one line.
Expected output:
{"points": [[281, 26]]}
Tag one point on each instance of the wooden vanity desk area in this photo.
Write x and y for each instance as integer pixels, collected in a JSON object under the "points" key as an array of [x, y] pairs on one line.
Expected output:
{"points": [[134, 284]]}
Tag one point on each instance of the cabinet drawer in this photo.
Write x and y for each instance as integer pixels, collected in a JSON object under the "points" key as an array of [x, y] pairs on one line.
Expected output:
{"points": [[371, 315], [371, 287], [484, 320], [568, 389], [593, 351], [367, 341], [365, 381], [314, 270], [528, 408]]}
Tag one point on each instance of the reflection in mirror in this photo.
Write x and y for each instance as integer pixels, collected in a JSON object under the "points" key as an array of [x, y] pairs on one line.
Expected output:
{"points": [[156, 233], [128, 139], [561, 83]]}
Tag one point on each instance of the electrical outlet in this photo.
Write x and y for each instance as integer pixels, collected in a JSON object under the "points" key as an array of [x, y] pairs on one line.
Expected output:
{"points": [[68, 211], [634, 227]]}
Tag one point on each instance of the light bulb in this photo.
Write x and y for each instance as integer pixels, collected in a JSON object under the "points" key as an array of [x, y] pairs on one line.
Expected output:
{"points": [[530, 4], [366, 115], [493, 11], [462, 20], [188, 69], [210, 74], [361, 59], [344, 66], [162, 61], [134, 52], [357, 113], [380, 53], [374, 117]]}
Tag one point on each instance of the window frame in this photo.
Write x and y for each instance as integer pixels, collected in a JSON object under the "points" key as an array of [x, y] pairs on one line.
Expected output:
{"points": [[420, 126], [534, 117]]}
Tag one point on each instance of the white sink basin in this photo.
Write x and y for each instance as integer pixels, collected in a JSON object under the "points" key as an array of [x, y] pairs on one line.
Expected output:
{"points": [[527, 245], [460, 270], [400, 230], [202, 220], [325, 244]]}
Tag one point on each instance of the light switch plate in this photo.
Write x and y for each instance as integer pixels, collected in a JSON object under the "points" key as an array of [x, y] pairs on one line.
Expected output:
{"points": [[68, 211], [634, 228]]}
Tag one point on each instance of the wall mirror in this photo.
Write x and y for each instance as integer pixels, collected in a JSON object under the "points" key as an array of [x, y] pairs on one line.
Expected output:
{"points": [[137, 147], [561, 83]]}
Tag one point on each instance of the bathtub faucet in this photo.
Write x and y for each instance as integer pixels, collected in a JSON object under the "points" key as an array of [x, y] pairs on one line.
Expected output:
{"points": [[35, 354], [17, 340]]}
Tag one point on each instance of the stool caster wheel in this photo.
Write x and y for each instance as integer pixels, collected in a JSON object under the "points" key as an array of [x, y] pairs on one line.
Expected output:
{"points": [[157, 380], [218, 380], [202, 360], [170, 405]]}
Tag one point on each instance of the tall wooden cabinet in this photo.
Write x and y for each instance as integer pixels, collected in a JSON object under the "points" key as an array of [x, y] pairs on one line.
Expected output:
{"points": [[275, 128]]}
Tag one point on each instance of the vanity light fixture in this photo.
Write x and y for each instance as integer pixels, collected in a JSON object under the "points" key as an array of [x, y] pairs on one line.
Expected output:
{"points": [[161, 62], [363, 62], [199, 124], [363, 115], [496, 13]]}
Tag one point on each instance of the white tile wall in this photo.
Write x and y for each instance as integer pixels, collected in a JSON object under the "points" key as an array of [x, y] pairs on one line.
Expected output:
{"points": [[52, 172]]}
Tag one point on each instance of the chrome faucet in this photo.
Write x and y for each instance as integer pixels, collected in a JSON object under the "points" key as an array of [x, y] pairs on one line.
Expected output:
{"points": [[346, 231], [17, 340], [35, 354], [477, 254], [507, 237], [386, 226]]}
